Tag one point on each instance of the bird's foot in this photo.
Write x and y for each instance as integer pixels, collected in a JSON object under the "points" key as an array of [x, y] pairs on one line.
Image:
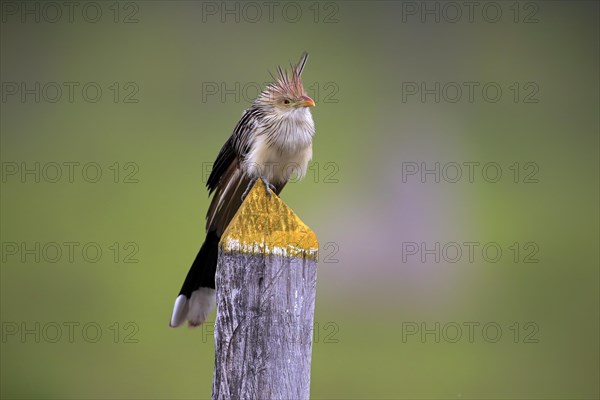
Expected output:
{"points": [[268, 187]]}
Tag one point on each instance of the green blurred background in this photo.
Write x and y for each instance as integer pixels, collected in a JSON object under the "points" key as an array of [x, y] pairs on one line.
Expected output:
{"points": [[387, 320]]}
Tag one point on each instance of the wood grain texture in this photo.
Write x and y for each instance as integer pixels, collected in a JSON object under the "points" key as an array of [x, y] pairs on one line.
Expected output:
{"points": [[266, 285]]}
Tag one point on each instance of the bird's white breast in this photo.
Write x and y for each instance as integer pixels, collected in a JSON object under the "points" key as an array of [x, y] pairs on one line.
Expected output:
{"points": [[277, 156]]}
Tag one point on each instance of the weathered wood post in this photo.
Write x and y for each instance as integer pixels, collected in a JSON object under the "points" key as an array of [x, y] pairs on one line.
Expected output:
{"points": [[266, 283]]}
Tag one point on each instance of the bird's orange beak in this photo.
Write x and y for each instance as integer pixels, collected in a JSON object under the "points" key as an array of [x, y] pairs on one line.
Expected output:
{"points": [[307, 102]]}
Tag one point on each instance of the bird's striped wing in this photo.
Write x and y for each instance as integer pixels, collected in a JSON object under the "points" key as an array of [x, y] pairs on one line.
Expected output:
{"points": [[227, 198], [227, 179], [226, 157]]}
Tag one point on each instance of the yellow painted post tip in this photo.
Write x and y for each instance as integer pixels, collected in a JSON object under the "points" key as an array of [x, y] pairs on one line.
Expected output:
{"points": [[264, 224]]}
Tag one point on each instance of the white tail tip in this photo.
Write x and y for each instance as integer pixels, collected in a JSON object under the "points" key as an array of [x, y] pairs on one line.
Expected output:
{"points": [[194, 310]]}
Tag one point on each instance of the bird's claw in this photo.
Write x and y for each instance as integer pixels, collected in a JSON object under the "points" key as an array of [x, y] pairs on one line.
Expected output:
{"points": [[268, 187]]}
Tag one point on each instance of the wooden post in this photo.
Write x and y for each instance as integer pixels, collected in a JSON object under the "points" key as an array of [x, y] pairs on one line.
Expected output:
{"points": [[266, 283]]}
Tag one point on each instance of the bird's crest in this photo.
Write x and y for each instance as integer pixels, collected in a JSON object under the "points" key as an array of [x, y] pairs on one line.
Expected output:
{"points": [[289, 83]]}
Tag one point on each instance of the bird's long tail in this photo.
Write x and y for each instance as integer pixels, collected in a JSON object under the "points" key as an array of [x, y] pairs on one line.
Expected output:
{"points": [[197, 296]]}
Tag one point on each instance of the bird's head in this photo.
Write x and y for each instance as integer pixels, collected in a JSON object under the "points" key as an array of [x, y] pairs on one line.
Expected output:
{"points": [[286, 95]]}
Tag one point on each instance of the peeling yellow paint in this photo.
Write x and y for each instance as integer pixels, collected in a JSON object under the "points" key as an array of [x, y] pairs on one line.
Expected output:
{"points": [[266, 225]]}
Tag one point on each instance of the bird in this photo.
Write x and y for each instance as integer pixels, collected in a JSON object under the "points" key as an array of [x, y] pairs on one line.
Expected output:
{"points": [[272, 141]]}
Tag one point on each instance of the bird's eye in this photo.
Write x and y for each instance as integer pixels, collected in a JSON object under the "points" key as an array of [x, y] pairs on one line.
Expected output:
{"points": [[286, 101]]}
